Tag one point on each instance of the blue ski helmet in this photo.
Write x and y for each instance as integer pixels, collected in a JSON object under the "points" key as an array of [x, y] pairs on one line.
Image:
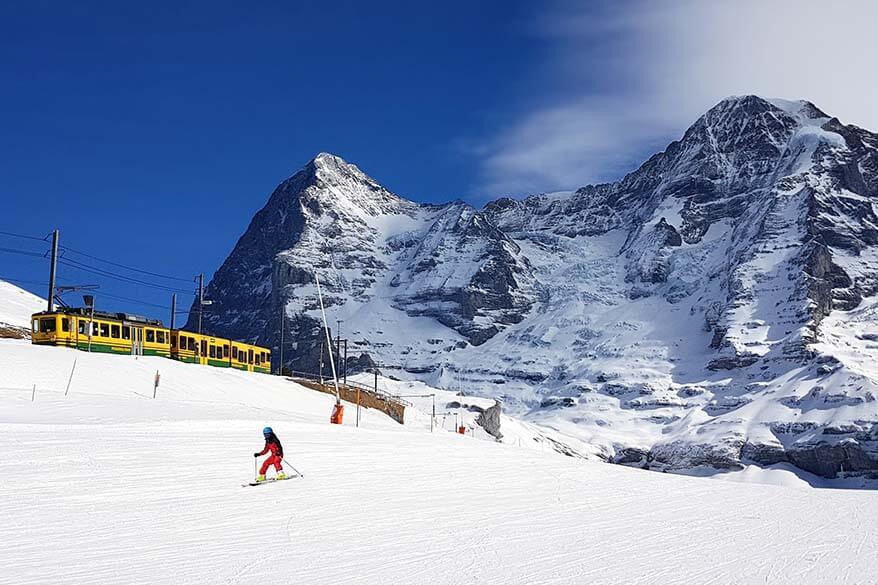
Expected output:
{"points": [[267, 431]]}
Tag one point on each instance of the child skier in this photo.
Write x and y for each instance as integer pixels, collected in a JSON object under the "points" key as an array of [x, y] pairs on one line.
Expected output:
{"points": [[272, 444]]}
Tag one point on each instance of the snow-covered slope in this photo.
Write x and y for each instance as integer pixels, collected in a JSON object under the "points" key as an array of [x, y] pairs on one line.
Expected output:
{"points": [[108, 486], [694, 313], [16, 307], [479, 417]]}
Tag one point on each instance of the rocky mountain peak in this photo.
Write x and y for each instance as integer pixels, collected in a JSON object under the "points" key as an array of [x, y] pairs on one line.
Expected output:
{"points": [[327, 159], [337, 187], [692, 313]]}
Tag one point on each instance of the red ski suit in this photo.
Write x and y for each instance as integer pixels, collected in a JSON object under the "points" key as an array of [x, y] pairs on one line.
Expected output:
{"points": [[277, 454]]}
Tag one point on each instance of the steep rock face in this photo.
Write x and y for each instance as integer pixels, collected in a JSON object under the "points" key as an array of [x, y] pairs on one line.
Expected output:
{"points": [[447, 263], [682, 316], [302, 227], [465, 273]]}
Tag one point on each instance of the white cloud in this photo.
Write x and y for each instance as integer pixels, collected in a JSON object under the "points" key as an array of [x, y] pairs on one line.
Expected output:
{"points": [[625, 78]]}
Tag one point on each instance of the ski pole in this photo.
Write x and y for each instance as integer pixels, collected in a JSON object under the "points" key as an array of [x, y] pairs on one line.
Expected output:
{"points": [[255, 473], [299, 473]]}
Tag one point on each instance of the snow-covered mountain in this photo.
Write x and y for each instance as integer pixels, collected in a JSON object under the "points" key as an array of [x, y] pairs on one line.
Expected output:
{"points": [[16, 307], [714, 306]]}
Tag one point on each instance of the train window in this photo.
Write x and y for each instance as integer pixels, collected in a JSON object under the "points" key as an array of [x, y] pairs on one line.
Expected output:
{"points": [[160, 336], [173, 341], [105, 330], [249, 356], [115, 331], [257, 359], [225, 351], [203, 347], [150, 336], [213, 351], [65, 324], [234, 352], [191, 343], [36, 325], [126, 332], [83, 327], [47, 325]]}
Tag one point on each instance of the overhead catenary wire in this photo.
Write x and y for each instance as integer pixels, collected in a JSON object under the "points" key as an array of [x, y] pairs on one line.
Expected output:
{"points": [[91, 268], [23, 252], [14, 235], [98, 258], [101, 293], [125, 266], [116, 276]]}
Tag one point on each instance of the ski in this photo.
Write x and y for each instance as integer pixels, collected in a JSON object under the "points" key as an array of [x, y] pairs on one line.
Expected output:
{"points": [[270, 480]]}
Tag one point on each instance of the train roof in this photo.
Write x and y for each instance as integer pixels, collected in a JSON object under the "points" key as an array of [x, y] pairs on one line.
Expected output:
{"points": [[131, 318], [86, 312]]}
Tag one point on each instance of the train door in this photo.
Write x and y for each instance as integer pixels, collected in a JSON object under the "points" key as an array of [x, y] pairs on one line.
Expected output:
{"points": [[136, 340]]}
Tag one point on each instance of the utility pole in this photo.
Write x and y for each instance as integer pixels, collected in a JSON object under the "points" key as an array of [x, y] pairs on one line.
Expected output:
{"points": [[90, 303], [321, 363], [283, 318], [345, 366], [337, 339], [174, 311], [53, 269], [200, 299]]}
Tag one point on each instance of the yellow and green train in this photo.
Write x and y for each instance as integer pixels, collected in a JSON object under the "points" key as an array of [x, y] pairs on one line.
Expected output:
{"points": [[124, 334]]}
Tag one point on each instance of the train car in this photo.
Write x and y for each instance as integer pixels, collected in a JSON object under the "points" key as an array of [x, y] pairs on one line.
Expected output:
{"points": [[195, 348], [97, 331], [125, 334], [249, 357]]}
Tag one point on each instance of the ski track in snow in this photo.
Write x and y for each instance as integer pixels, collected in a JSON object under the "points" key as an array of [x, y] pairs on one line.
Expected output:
{"points": [[108, 487]]}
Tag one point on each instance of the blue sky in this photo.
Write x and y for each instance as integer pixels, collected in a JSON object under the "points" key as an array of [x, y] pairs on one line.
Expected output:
{"points": [[150, 133]]}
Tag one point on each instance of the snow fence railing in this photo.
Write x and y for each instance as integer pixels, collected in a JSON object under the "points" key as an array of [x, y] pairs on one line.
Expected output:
{"points": [[357, 394], [294, 374]]}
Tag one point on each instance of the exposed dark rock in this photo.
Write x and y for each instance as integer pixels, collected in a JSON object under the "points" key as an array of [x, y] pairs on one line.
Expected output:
{"points": [[558, 401], [489, 420], [732, 362], [828, 459], [726, 404], [683, 455], [361, 363], [763, 453], [632, 457]]}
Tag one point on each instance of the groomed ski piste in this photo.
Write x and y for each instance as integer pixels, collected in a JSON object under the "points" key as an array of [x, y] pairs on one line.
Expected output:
{"points": [[107, 485]]}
